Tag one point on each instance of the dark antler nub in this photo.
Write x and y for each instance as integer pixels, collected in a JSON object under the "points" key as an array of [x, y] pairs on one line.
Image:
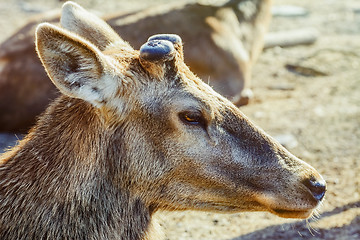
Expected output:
{"points": [[157, 50], [175, 39]]}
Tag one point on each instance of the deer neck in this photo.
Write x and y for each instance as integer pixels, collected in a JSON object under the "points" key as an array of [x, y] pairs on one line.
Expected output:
{"points": [[70, 185]]}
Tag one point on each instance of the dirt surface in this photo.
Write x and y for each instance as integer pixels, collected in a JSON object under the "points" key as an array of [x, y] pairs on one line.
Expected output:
{"points": [[316, 114]]}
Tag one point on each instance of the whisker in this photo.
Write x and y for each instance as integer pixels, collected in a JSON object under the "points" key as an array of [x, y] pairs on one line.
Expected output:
{"points": [[311, 229]]}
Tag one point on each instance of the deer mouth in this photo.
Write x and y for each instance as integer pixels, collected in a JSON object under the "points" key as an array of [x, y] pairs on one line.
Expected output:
{"points": [[285, 208], [302, 214]]}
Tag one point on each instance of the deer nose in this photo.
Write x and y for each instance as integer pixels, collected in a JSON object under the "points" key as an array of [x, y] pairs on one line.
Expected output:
{"points": [[316, 186]]}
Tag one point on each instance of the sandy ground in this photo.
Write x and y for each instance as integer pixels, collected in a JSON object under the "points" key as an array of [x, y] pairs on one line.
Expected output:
{"points": [[317, 115]]}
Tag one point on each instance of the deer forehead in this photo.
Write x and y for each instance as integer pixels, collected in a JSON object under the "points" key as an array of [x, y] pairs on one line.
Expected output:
{"points": [[180, 93], [130, 86], [126, 77]]}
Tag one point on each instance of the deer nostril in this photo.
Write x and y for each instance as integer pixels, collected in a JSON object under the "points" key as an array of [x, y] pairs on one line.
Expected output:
{"points": [[317, 187]]}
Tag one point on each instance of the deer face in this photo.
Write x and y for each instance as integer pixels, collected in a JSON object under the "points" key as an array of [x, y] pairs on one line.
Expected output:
{"points": [[216, 159], [176, 143]]}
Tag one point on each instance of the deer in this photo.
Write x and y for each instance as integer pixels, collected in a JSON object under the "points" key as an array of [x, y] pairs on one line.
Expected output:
{"points": [[135, 132], [241, 24]]}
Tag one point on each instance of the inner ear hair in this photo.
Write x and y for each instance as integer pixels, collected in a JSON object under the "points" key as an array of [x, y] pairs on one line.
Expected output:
{"points": [[72, 63]]}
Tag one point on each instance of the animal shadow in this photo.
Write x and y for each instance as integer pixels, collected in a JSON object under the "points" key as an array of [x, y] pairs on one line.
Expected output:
{"points": [[301, 230]]}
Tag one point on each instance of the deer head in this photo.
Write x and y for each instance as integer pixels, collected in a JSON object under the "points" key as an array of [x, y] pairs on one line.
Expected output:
{"points": [[174, 142]]}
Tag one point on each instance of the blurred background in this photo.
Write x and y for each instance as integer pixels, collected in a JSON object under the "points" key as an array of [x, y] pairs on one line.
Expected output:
{"points": [[306, 94]]}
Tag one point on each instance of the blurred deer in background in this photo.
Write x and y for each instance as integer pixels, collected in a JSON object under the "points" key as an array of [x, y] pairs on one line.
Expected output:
{"points": [[222, 44], [135, 132]]}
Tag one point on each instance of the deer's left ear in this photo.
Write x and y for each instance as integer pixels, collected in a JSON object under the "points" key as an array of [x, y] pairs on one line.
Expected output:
{"points": [[75, 66]]}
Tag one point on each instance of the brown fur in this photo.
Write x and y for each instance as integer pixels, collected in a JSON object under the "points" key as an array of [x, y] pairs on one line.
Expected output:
{"points": [[124, 142], [221, 46]]}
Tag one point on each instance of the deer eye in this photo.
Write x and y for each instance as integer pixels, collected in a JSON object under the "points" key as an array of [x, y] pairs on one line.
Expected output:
{"points": [[192, 118]]}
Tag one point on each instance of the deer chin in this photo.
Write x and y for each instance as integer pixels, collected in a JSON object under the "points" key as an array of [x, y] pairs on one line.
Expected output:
{"points": [[302, 214], [287, 209], [281, 212]]}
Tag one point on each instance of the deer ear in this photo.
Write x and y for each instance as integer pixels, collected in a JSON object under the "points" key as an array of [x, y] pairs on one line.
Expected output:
{"points": [[74, 65], [89, 26]]}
